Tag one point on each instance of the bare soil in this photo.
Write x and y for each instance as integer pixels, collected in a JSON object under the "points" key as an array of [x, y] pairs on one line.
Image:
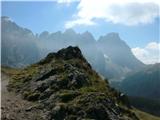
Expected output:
{"points": [[13, 107]]}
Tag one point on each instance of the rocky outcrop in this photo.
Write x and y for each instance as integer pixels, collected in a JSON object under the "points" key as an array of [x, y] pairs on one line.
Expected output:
{"points": [[66, 87]]}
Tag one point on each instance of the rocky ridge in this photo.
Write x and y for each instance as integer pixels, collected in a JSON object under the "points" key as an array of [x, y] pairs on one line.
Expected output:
{"points": [[66, 87]]}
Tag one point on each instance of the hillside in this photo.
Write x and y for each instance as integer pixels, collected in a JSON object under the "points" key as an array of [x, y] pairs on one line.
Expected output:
{"points": [[144, 83], [143, 88], [66, 87], [145, 116], [151, 106]]}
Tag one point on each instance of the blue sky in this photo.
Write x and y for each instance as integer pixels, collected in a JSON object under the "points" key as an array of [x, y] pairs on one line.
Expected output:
{"points": [[51, 16], [138, 29]]}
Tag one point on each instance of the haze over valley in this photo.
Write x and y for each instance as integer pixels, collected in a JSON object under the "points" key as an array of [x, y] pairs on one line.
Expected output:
{"points": [[99, 64]]}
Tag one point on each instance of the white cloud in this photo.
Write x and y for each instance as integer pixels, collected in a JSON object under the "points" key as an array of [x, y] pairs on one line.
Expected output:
{"points": [[149, 54], [128, 12], [79, 22], [66, 1], [153, 46], [58, 1]]}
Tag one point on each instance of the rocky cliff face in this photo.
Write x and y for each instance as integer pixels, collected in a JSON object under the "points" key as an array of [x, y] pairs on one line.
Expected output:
{"points": [[65, 87], [19, 45], [121, 59]]}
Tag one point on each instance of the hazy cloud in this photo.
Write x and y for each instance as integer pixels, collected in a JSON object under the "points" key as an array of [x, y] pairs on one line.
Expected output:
{"points": [[149, 54], [66, 1], [128, 12]]}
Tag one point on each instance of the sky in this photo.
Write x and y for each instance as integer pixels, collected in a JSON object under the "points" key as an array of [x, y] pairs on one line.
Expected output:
{"points": [[136, 21]]}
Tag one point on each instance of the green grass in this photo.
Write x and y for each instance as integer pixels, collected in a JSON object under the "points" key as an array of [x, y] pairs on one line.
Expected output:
{"points": [[10, 71], [145, 116], [68, 95]]}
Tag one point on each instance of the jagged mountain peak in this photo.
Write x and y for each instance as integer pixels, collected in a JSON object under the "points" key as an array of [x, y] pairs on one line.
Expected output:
{"points": [[119, 53], [112, 38], [113, 35], [87, 33], [58, 32], [44, 35], [47, 42], [5, 18], [8, 25], [88, 36], [69, 31]]}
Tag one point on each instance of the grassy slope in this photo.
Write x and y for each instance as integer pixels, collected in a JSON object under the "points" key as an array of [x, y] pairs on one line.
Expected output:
{"points": [[145, 116], [142, 115], [9, 71]]}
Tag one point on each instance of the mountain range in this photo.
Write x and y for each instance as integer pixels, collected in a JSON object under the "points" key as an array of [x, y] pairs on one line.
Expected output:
{"points": [[18, 45], [109, 55]]}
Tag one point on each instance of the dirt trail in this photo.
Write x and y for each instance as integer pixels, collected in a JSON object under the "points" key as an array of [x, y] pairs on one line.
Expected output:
{"points": [[13, 107]]}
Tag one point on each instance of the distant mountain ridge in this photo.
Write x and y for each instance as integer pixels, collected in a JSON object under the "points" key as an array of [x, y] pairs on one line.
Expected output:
{"points": [[121, 58], [110, 56], [18, 45], [118, 51], [145, 83]]}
